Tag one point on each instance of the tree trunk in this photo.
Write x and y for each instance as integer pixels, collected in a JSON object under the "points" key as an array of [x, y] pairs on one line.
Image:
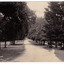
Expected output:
{"points": [[41, 42], [56, 44], [36, 40], [0, 45], [5, 45], [50, 44], [61, 45], [44, 42], [12, 42], [62, 48]]}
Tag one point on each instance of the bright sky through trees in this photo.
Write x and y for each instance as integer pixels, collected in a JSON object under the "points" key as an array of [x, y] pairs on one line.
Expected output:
{"points": [[38, 7]]}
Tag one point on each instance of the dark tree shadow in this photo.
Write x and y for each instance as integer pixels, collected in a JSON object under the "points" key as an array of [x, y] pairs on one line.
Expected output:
{"points": [[11, 52], [59, 54]]}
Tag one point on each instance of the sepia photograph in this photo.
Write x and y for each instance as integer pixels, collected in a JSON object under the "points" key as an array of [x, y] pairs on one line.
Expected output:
{"points": [[32, 31]]}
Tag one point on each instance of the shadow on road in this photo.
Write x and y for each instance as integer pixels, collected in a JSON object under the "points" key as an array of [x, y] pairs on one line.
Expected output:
{"points": [[11, 52], [59, 54]]}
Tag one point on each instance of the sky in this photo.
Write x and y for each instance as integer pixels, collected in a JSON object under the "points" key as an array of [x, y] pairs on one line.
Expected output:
{"points": [[38, 7]]}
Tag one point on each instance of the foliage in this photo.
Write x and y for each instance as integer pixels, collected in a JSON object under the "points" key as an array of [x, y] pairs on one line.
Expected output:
{"points": [[36, 29], [54, 16], [14, 24]]}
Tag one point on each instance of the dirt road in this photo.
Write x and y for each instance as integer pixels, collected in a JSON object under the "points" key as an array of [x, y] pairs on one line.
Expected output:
{"points": [[34, 53]]}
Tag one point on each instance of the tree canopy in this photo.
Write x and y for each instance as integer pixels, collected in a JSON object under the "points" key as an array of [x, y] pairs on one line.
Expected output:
{"points": [[14, 25], [54, 16]]}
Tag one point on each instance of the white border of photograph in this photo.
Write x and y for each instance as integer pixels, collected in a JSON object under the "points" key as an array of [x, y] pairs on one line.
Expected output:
{"points": [[29, 0], [30, 62]]}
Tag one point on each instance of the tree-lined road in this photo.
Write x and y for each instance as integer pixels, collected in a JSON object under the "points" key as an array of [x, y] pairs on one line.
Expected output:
{"points": [[36, 54]]}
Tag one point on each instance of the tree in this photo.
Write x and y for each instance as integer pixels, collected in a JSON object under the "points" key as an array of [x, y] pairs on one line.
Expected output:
{"points": [[35, 32], [54, 16], [15, 20], [31, 18]]}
